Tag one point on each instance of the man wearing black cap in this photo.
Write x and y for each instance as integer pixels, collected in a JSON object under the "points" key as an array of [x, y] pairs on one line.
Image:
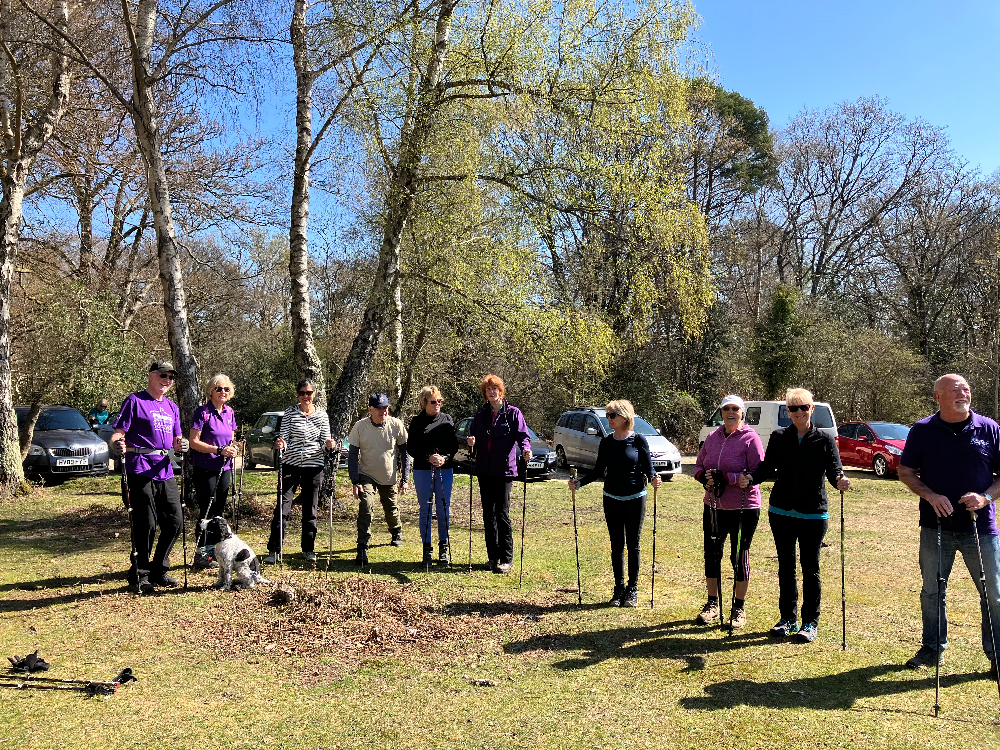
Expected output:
{"points": [[147, 427], [377, 447]]}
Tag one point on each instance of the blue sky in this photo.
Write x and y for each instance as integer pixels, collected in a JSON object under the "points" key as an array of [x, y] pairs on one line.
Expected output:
{"points": [[937, 61]]}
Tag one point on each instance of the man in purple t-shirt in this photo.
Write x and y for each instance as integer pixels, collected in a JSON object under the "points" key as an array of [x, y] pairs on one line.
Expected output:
{"points": [[951, 460], [147, 427]]}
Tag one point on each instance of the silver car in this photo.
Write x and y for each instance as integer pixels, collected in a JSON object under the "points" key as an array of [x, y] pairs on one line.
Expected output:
{"points": [[579, 432]]}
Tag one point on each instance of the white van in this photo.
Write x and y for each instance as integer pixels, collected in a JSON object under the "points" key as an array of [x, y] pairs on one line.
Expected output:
{"points": [[767, 416]]}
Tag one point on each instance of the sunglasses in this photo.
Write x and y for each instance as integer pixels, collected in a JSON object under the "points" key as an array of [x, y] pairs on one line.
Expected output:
{"points": [[306, 393], [436, 401], [611, 415], [222, 389], [792, 408], [167, 375], [731, 407]]}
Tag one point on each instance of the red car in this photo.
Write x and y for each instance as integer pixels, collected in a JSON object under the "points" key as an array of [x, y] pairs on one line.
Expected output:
{"points": [[872, 445]]}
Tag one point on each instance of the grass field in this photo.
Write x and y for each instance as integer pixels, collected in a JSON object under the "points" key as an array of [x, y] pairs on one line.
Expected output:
{"points": [[393, 659]]}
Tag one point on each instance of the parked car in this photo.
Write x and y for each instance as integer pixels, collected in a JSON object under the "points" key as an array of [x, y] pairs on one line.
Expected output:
{"points": [[63, 444], [260, 441], [872, 445], [541, 465], [106, 430], [767, 416], [579, 431]]}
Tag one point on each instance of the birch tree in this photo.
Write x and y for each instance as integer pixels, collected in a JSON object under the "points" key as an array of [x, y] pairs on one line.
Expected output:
{"points": [[34, 94]]}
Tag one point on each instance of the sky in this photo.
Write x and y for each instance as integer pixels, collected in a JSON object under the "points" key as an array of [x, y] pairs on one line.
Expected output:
{"points": [[933, 60]]}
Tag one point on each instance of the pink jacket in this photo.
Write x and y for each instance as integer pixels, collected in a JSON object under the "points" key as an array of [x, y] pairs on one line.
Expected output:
{"points": [[732, 454]]}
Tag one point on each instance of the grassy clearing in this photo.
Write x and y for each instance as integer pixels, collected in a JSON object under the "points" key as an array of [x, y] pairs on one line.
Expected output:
{"points": [[389, 660]]}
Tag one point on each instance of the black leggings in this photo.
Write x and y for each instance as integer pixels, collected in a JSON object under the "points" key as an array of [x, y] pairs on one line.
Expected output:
{"points": [[310, 480], [211, 489], [729, 523], [624, 519], [809, 533], [155, 504], [495, 494]]}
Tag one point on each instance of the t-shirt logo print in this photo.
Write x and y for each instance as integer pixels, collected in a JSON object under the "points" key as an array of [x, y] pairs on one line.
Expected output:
{"points": [[162, 422], [980, 443]]}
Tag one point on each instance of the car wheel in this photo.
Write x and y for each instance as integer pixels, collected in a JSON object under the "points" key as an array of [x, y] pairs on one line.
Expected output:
{"points": [[667, 477], [561, 461], [881, 467], [250, 464]]}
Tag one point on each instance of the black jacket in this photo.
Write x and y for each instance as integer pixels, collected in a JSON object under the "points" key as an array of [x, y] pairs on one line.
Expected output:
{"points": [[798, 468], [427, 435]]}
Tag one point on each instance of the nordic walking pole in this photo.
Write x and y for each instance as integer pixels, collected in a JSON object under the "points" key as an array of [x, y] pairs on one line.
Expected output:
{"points": [[843, 576], [281, 517], [183, 519], [985, 592], [739, 557], [470, 519], [717, 547], [239, 491], [576, 539], [937, 650], [333, 496], [431, 504], [652, 577], [524, 514], [128, 508]]}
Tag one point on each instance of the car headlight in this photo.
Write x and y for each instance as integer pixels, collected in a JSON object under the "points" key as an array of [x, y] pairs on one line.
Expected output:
{"points": [[102, 448], [550, 458], [36, 450], [894, 450]]}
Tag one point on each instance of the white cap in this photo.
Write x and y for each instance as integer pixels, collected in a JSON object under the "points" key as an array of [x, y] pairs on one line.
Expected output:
{"points": [[731, 399]]}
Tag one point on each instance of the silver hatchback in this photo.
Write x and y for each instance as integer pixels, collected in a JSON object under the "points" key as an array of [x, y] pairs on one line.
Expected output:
{"points": [[579, 432]]}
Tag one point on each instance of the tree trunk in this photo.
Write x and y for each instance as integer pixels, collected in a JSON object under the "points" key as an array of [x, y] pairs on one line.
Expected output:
{"points": [[307, 360], [144, 114], [27, 430], [20, 148], [398, 207]]}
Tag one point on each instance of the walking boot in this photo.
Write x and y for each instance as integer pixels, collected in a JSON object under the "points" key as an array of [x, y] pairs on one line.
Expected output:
{"points": [[709, 613], [428, 554], [362, 557], [618, 595], [397, 538], [631, 597], [443, 558]]}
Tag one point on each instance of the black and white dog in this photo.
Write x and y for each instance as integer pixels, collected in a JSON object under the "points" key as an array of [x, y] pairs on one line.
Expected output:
{"points": [[237, 563]]}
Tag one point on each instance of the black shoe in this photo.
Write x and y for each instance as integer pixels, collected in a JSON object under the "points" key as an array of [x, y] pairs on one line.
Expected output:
{"points": [[443, 553], [618, 595], [428, 554], [631, 598], [397, 538], [925, 657], [362, 557], [142, 587], [165, 581]]}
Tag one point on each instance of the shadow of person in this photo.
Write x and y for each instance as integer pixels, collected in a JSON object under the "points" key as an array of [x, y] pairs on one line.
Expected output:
{"points": [[666, 640], [835, 692]]}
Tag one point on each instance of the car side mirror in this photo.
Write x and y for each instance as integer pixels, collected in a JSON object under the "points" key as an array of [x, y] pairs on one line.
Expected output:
{"points": [[591, 430], [267, 429], [96, 428], [863, 438]]}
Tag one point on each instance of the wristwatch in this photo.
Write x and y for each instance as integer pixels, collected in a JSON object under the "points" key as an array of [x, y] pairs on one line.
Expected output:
{"points": [[988, 496]]}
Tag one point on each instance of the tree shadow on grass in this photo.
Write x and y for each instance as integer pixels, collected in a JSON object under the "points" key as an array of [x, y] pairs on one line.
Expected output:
{"points": [[79, 530], [835, 692]]}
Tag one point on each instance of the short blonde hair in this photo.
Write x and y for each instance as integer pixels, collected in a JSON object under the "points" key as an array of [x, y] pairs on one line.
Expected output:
{"points": [[625, 409], [427, 393], [219, 379], [798, 394]]}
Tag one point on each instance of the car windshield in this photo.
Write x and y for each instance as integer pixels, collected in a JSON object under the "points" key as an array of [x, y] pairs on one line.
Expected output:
{"points": [[890, 431], [61, 419], [532, 434], [642, 427]]}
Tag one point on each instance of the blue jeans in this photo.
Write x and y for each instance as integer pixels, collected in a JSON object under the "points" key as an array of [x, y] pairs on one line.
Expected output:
{"points": [[952, 542], [442, 490]]}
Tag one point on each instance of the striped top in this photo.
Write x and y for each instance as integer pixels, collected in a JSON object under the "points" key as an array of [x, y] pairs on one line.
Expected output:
{"points": [[305, 437]]}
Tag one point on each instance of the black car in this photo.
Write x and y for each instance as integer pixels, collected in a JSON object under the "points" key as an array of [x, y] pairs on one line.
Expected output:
{"points": [[63, 444], [543, 458]]}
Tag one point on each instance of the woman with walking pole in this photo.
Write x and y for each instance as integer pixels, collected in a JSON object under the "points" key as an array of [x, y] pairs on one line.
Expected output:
{"points": [[432, 443], [625, 464], [304, 436], [797, 459], [728, 452], [213, 426], [498, 431]]}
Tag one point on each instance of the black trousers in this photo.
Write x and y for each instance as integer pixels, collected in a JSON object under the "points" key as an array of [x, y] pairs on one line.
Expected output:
{"points": [[155, 504], [211, 490], [729, 523], [495, 494], [310, 479], [809, 533], [624, 519]]}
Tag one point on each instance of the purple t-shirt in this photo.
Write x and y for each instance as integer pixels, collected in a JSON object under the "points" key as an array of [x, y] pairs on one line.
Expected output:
{"points": [[148, 423], [216, 429], [953, 464]]}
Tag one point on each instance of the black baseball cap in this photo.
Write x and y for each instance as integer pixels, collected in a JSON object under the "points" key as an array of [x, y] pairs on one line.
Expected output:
{"points": [[378, 400], [163, 365]]}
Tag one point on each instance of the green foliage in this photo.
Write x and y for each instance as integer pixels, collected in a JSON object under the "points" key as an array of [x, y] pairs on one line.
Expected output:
{"points": [[776, 338]]}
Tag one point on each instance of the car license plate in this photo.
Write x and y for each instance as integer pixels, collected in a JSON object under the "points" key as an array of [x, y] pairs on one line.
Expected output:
{"points": [[71, 462], [535, 464], [663, 464]]}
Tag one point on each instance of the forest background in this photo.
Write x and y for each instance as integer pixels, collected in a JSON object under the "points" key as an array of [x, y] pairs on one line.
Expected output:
{"points": [[561, 194]]}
